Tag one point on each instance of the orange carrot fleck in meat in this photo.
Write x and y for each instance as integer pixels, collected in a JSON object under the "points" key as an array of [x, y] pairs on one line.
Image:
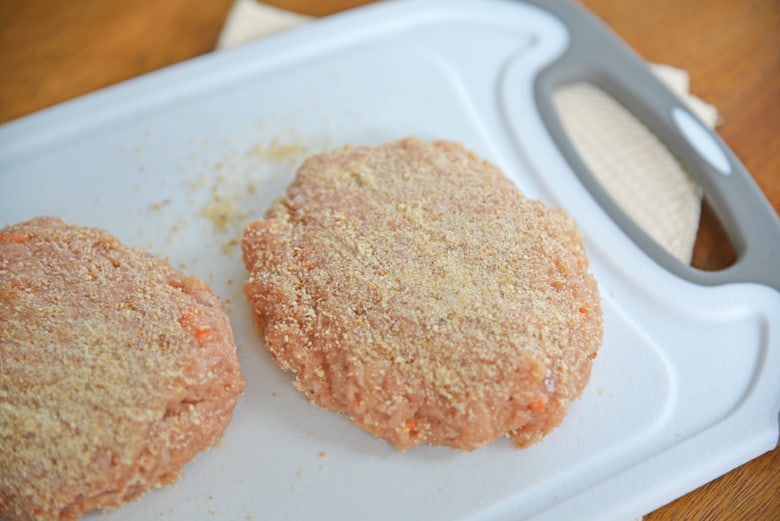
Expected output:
{"points": [[537, 404], [4, 237], [411, 426], [202, 333], [187, 321], [583, 309]]}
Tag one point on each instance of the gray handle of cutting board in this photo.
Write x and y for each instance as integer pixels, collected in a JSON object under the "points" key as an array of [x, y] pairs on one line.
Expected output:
{"points": [[598, 56]]}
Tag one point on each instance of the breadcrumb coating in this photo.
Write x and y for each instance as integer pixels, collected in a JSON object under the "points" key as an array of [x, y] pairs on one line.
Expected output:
{"points": [[115, 370], [414, 288]]}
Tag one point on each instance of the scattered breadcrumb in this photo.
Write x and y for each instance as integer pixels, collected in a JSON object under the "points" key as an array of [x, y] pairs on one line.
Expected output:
{"points": [[160, 205], [236, 181]]}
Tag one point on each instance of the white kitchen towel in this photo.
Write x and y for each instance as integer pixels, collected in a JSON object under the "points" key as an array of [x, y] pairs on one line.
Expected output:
{"points": [[249, 20], [635, 168]]}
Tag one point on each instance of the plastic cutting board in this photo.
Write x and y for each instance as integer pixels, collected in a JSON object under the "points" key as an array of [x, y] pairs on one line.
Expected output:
{"points": [[686, 385]]}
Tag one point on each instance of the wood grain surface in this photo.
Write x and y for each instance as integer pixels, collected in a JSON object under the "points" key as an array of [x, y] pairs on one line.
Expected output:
{"points": [[52, 51]]}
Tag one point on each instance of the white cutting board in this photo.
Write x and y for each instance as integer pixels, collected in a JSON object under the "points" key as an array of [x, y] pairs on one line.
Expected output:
{"points": [[685, 386]]}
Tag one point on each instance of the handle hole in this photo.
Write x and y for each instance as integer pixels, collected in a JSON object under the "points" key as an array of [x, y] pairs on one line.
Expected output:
{"points": [[640, 175], [713, 249]]}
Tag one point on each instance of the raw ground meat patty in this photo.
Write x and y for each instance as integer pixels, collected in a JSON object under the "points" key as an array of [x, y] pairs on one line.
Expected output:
{"points": [[413, 287], [115, 370]]}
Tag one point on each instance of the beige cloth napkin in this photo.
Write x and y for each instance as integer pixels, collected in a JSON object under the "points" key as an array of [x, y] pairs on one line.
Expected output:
{"points": [[635, 168], [249, 20]]}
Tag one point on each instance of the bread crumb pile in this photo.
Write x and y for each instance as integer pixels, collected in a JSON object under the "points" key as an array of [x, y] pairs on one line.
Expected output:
{"points": [[236, 180], [413, 287]]}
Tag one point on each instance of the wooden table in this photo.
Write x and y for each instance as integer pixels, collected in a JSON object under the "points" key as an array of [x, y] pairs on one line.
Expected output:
{"points": [[52, 51]]}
